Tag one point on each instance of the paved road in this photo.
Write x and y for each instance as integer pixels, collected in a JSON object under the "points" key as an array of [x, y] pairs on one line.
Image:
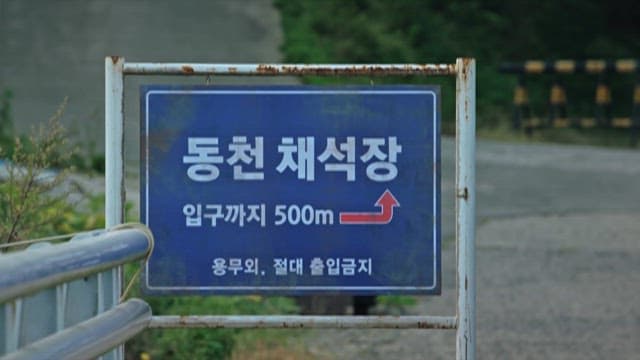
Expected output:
{"points": [[558, 261]]}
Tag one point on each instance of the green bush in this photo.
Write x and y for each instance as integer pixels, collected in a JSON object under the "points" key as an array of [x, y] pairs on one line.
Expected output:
{"points": [[6, 125], [202, 343], [34, 198], [421, 31], [34, 202]]}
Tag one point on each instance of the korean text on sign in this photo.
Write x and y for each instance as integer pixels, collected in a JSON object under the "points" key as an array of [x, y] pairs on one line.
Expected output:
{"points": [[298, 155]]}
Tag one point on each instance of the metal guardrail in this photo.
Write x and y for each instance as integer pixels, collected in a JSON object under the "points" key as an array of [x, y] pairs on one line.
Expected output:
{"points": [[90, 338], [35, 272], [26, 272]]}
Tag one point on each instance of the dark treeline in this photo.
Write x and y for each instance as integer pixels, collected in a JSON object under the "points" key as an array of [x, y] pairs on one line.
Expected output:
{"points": [[492, 31]]}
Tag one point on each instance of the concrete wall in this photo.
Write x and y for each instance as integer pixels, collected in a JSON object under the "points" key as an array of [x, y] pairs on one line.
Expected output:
{"points": [[53, 49]]}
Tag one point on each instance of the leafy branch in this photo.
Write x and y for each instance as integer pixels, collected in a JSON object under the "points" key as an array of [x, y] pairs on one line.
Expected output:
{"points": [[34, 198]]}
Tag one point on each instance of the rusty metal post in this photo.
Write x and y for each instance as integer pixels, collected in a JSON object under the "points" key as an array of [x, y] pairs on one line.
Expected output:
{"points": [[465, 207], [114, 164], [464, 69], [302, 322], [287, 69]]}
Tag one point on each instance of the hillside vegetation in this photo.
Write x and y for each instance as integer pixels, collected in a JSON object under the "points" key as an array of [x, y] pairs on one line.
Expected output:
{"points": [[421, 31]]}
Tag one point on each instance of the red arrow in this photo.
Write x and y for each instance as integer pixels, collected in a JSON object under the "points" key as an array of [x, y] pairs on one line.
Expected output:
{"points": [[387, 202]]}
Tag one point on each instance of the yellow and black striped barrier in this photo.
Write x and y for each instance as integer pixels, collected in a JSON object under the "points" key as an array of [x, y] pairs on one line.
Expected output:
{"points": [[557, 116], [622, 66], [586, 123]]}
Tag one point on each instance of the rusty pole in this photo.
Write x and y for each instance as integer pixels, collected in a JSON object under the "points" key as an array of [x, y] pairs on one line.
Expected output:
{"points": [[465, 206]]}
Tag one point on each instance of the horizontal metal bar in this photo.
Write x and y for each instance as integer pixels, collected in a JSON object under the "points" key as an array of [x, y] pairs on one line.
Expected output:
{"points": [[92, 337], [288, 69], [25, 272], [304, 322]]}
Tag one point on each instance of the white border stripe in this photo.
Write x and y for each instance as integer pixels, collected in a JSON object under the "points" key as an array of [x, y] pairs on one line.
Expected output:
{"points": [[297, 92]]}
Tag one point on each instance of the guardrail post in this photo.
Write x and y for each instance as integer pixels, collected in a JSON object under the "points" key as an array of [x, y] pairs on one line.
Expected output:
{"points": [[558, 105], [521, 111], [635, 114], [465, 207], [603, 102]]}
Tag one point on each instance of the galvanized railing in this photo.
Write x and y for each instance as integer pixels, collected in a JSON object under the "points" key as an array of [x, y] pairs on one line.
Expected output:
{"points": [[44, 275]]}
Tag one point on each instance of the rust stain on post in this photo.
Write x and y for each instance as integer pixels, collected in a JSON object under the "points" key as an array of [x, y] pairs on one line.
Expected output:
{"points": [[448, 69], [267, 69], [114, 59], [187, 69], [373, 70], [465, 68]]}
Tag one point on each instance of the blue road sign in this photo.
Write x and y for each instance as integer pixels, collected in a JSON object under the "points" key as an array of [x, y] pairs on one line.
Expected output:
{"points": [[291, 189]]}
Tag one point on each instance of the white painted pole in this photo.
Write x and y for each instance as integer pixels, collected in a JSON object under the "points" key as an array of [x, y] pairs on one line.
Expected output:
{"points": [[465, 206], [114, 135], [114, 162]]}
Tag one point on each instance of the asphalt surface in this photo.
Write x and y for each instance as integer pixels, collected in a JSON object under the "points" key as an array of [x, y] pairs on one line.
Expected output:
{"points": [[558, 261]]}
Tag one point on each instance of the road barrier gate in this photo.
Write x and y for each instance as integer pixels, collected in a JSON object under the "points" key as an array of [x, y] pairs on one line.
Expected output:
{"points": [[557, 116]]}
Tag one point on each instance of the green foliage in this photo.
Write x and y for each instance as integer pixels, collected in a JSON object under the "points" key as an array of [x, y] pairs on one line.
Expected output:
{"points": [[395, 304], [203, 343], [396, 300], [33, 201], [89, 161], [89, 217], [420, 31], [6, 125]]}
